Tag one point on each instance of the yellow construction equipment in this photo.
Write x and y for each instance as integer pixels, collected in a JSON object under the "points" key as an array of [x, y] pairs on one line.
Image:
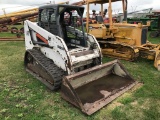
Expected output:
{"points": [[121, 40]]}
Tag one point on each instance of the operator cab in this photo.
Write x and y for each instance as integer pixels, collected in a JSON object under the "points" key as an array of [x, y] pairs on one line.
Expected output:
{"points": [[64, 21]]}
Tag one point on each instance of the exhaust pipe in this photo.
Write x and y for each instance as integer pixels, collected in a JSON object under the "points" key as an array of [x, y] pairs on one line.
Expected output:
{"points": [[125, 15], [125, 10]]}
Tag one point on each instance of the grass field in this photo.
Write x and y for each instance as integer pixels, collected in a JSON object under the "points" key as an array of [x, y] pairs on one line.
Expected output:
{"points": [[24, 97]]}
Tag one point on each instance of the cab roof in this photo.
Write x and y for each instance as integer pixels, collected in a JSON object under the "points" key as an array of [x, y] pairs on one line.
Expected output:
{"points": [[101, 1], [60, 5]]}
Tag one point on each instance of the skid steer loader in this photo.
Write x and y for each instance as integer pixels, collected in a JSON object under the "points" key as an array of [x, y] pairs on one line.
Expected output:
{"points": [[63, 56]]}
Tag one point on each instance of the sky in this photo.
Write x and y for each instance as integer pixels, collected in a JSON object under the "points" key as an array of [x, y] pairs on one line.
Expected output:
{"points": [[133, 5]]}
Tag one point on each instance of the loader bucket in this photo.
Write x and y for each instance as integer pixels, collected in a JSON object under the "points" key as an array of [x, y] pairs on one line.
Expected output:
{"points": [[92, 89]]}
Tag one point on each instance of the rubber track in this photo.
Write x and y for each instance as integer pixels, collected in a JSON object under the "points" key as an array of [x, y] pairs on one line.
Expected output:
{"points": [[49, 66]]}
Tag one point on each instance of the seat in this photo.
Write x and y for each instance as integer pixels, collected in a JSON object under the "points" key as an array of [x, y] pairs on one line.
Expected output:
{"points": [[99, 19]]}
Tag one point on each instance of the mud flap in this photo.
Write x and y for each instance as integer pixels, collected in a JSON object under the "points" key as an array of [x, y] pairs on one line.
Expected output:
{"points": [[92, 89]]}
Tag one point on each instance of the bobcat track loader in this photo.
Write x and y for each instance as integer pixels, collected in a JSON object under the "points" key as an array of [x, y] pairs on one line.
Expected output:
{"points": [[63, 56]]}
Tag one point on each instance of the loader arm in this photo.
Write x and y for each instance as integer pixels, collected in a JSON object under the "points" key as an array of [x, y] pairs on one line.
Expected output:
{"points": [[51, 44]]}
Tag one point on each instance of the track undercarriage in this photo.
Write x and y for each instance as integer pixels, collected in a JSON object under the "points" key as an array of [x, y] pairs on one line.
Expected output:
{"points": [[43, 69], [119, 50], [131, 53]]}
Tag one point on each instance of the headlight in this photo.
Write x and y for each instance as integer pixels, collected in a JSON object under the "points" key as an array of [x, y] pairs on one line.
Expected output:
{"points": [[95, 46]]}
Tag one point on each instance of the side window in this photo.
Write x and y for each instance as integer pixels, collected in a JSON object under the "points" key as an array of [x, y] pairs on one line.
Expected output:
{"points": [[51, 15], [47, 15], [44, 17], [53, 19]]}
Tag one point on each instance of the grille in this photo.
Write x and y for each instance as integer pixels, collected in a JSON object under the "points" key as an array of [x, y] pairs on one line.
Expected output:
{"points": [[144, 35]]}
